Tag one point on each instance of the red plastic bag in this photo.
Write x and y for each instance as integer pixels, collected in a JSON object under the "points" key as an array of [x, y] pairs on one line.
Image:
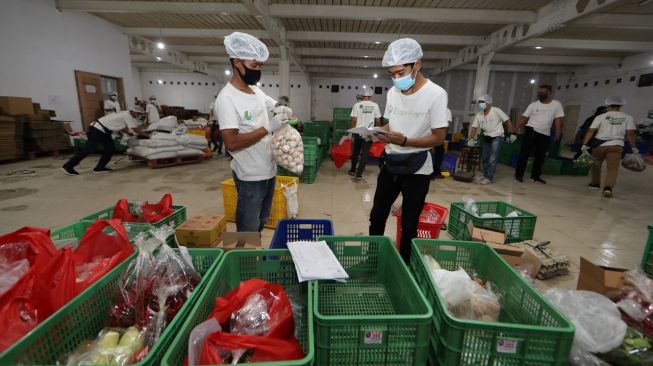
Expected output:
{"points": [[158, 211], [121, 212], [377, 149], [265, 349], [341, 153], [99, 252]]}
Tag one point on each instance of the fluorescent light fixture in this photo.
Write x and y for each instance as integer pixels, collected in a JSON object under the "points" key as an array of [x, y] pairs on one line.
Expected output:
{"points": [[538, 47], [227, 72], [159, 81], [532, 81], [364, 65], [258, 84], [366, 56], [160, 45], [158, 58], [364, 86], [377, 42], [376, 76]]}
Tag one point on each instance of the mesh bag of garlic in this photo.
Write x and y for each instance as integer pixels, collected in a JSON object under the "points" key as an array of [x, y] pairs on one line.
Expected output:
{"points": [[288, 149]]}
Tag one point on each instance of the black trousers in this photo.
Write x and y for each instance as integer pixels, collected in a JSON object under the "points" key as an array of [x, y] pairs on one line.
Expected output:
{"points": [[95, 138], [215, 138], [413, 189], [532, 141], [359, 155], [438, 156]]}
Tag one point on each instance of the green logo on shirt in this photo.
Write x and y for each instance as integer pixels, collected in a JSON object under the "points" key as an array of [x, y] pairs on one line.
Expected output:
{"points": [[615, 120], [248, 116]]}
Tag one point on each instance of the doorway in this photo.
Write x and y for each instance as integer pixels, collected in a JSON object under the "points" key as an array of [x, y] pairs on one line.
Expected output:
{"points": [[92, 90]]}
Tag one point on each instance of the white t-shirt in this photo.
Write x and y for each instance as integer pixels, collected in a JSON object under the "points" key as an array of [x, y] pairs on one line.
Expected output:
{"points": [[449, 115], [540, 116], [152, 113], [111, 106], [117, 121], [492, 123], [415, 115], [365, 113], [247, 112], [212, 113], [612, 126]]}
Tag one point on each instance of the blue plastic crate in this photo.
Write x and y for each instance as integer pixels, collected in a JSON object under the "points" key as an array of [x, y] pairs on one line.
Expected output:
{"points": [[299, 229], [449, 163]]}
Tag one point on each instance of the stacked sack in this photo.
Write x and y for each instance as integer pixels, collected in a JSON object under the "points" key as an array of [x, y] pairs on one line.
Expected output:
{"points": [[167, 145], [199, 123]]}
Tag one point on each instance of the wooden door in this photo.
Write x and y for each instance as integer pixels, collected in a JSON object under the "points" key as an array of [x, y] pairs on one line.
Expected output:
{"points": [[570, 123], [89, 92]]}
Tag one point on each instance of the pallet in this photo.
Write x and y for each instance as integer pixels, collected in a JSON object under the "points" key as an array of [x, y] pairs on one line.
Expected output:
{"points": [[162, 163]]}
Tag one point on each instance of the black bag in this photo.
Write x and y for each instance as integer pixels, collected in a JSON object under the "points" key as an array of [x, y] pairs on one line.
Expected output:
{"points": [[488, 139], [404, 163], [596, 142]]}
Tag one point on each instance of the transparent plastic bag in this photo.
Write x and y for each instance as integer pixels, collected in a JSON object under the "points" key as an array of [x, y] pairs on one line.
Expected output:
{"points": [[431, 263], [11, 272], [253, 318], [491, 215], [465, 297], [114, 346], [634, 162], [288, 149], [470, 205], [584, 160], [513, 214], [292, 204], [197, 338]]}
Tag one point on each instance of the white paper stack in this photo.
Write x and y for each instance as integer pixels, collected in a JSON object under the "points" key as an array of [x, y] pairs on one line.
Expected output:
{"points": [[316, 261], [367, 132]]}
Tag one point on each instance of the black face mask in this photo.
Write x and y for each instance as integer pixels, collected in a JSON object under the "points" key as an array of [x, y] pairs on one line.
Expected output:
{"points": [[250, 77], [542, 97]]}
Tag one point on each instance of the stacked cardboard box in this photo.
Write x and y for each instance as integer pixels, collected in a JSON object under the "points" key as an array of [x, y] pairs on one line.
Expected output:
{"points": [[11, 138], [45, 136]]}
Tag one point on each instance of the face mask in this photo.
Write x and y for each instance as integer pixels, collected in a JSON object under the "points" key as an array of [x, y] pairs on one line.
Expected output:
{"points": [[482, 106], [405, 82], [114, 98], [153, 101], [542, 97], [250, 77]]}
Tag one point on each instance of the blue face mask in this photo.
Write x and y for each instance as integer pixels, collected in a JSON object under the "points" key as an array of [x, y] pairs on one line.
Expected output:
{"points": [[482, 106], [405, 82]]}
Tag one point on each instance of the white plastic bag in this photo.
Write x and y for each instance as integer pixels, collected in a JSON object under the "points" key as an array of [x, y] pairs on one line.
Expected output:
{"points": [[288, 149], [197, 338], [491, 215], [11, 272], [584, 160], [634, 162], [598, 323], [292, 203], [470, 205]]}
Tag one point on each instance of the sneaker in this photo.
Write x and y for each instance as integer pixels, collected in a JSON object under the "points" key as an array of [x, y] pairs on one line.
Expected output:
{"points": [[484, 181], [69, 171], [351, 172], [594, 187], [102, 170], [538, 180], [358, 177], [607, 192], [478, 179], [519, 179]]}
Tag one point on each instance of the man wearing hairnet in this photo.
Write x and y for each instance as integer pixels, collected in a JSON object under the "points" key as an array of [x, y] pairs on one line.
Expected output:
{"points": [[363, 114], [100, 133], [242, 111], [417, 112], [490, 120], [152, 111], [111, 105], [606, 137]]}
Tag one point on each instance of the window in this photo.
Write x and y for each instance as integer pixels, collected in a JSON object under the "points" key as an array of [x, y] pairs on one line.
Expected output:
{"points": [[607, 82], [645, 80], [596, 83], [559, 87], [378, 90], [567, 86], [270, 85], [150, 81], [277, 85], [292, 85], [299, 85], [632, 78], [356, 88], [320, 85], [576, 86], [212, 84], [335, 88], [348, 86], [386, 88], [342, 87], [192, 83], [164, 83], [618, 80], [585, 84], [185, 83]]}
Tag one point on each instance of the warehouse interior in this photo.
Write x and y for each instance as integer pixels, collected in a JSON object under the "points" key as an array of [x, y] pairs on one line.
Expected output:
{"points": [[69, 56]]}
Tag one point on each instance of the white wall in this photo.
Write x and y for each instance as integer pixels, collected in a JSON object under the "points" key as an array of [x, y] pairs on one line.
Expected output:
{"points": [[638, 100], [41, 48], [323, 100]]}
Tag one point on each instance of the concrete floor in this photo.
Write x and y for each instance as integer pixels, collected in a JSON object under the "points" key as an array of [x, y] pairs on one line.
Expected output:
{"points": [[577, 221]]}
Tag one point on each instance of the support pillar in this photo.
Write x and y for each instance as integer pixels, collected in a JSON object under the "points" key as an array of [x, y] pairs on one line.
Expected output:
{"points": [[482, 75], [284, 72]]}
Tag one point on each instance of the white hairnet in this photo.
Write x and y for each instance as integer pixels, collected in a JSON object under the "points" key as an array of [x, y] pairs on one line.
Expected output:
{"points": [[486, 98], [402, 51], [615, 100], [244, 46], [137, 109], [368, 92], [114, 93]]}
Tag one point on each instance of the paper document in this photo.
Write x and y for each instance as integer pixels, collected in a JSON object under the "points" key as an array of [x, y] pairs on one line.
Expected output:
{"points": [[315, 261], [367, 132]]}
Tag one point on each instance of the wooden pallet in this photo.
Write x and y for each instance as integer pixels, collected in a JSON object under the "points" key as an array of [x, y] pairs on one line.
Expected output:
{"points": [[166, 162]]}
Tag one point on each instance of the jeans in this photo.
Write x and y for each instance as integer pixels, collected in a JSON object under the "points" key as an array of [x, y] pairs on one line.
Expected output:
{"points": [[612, 157], [95, 138], [254, 203], [360, 150], [438, 156], [490, 155], [532, 141], [215, 138], [413, 189]]}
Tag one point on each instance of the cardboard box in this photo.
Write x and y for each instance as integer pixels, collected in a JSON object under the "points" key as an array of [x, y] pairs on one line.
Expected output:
{"points": [[526, 258], [486, 235], [201, 231], [16, 105], [601, 279], [242, 240]]}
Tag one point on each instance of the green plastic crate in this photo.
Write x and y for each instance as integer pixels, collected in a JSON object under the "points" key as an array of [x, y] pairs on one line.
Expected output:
{"points": [[647, 258], [550, 166], [272, 265], [316, 141], [341, 113], [71, 235], [342, 124], [530, 331], [379, 316], [517, 228], [118, 147], [175, 219], [568, 168], [316, 130], [337, 135], [308, 174]]}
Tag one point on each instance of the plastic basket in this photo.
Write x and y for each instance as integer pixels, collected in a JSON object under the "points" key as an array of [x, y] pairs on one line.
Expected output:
{"points": [[379, 316], [568, 167], [517, 228], [341, 113], [550, 166], [429, 225], [530, 330], [320, 142], [279, 205], [449, 163], [344, 124], [175, 219], [240, 265], [84, 317], [320, 130], [312, 155], [117, 146], [647, 258], [299, 229], [308, 174]]}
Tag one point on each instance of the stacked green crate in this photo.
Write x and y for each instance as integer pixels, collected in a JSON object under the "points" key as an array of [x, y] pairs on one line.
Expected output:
{"points": [[337, 135], [342, 124], [311, 140], [340, 114], [318, 130], [312, 158]]}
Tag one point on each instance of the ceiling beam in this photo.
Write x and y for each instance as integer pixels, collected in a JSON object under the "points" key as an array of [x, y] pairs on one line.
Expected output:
{"points": [[521, 68], [225, 60], [149, 49], [615, 21], [342, 63], [383, 37], [550, 17], [354, 52], [555, 60], [431, 15], [212, 49], [175, 7], [588, 44], [191, 32]]}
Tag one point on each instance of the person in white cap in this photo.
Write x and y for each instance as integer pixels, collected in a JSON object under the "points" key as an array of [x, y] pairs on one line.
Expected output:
{"points": [[491, 120], [606, 137], [417, 112], [363, 114], [152, 111], [100, 133], [242, 110], [112, 105]]}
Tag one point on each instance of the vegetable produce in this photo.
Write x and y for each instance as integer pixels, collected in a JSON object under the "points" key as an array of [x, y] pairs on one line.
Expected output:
{"points": [[288, 149], [636, 350]]}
